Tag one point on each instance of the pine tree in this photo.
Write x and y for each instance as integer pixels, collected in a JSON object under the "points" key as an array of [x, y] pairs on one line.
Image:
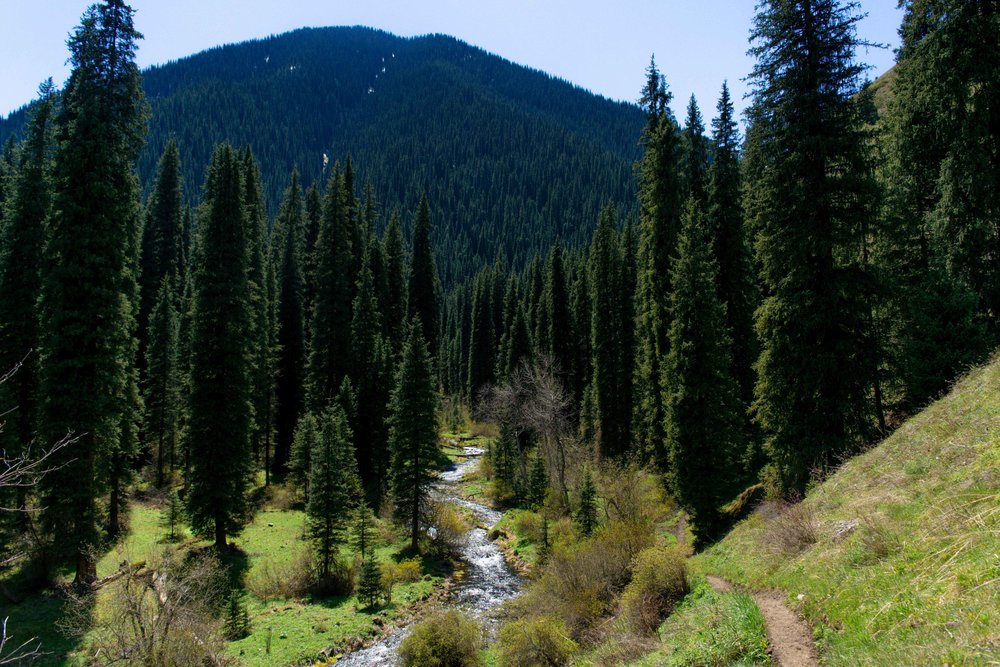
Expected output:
{"points": [[807, 202], [304, 443], [162, 238], [172, 515], [163, 382], [695, 153], [610, 364], [364, 536], [482, 347], [736, 283], [370, 580], [506, 468], [660, 201], [329, 356], [22, 234], [413, 431], [290, 334], [262, 324], [395, 309], [423, 287], [89, 289], [586, 511], [219, 409], [939, 247], [703, 414], [371, 377], [556, 300], [516, 348], [334, 489]]}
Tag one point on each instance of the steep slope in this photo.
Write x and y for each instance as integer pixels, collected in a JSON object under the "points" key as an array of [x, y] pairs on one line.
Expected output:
{"points": [[510, 157], [895, 559]]}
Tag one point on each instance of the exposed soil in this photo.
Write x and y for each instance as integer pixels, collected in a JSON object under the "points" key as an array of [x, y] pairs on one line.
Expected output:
{"points": [[789, 636]]}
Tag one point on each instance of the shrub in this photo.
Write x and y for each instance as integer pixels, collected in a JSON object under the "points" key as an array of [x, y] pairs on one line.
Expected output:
{"points": [[409, 570], [537, 640], [294, 579], [528, 526], [788, 529], [149, 615], [446, 639], [450, 529], [659, 582], [874, 542], [340, 580]]}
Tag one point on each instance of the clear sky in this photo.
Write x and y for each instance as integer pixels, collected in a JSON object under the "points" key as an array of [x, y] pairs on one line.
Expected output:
{"points": [[601, 45]]}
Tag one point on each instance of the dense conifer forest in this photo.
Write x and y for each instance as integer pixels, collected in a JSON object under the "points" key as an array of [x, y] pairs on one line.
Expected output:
{"points": [[292, 277]]}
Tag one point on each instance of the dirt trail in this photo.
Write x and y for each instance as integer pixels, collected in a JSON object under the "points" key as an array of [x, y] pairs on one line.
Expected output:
{"points": [[791, 641]]}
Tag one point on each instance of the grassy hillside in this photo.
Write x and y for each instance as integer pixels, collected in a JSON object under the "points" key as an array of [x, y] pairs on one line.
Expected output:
{"points": [[895, 559]]}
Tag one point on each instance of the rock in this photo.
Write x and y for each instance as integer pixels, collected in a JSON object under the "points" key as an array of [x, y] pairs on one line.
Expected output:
{"points": [[270, 525], [800, 597], [844, 528]]}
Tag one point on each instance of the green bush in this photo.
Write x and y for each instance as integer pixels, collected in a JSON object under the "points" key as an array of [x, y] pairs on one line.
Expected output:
{"points": [[659, 582], [447, 639], [528, 526], [536, 640]]}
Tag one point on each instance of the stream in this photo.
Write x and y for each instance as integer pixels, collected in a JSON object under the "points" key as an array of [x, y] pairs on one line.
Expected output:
{"points": [[487, 583]]}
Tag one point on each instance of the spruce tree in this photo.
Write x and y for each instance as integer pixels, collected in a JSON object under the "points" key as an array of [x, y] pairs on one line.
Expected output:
{"points": [[808, 201], [538, 482], [482, 347], [937, 243], [22, 234], [162, 237], [729, 243], [89, 287], [703, 418], [220, 409], [304, 443], [162, 394], [172, 515], [423, 287], [660, 199], [262, 322], [413, 431], [586, 510], [290, 336], [334, 489], [370, 580], [611, 376], [364, 535], [394, 310], [516, 349], [695, 153], [329, 356], [371, 376], [556, 300]]}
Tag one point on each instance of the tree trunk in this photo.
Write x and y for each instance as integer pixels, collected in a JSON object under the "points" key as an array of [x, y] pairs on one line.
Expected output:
{"points": [[220, 533]]}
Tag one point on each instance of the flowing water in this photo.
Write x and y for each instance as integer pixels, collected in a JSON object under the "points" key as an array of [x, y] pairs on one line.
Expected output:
{"points": [[487, 582]]}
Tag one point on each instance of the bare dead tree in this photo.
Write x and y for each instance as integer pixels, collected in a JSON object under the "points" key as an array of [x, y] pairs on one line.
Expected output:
{"points": [[535, 405]]}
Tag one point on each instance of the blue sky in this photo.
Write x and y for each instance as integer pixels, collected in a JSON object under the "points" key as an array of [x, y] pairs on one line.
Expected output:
{"points": [[600, 45]]}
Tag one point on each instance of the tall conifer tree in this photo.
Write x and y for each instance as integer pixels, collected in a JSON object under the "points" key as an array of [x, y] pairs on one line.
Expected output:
{"points": [[413, 431], [660, 201], [329, 355], [695, 153], [89, 291], [162, 394], [22, 235], [807, 201], [394, 310], [423, 288], [703, 417], [290, 324], [220, 408]]}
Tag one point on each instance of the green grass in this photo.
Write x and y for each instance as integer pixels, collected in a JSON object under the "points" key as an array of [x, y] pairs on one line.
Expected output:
{"points": [[918, 580], [711, 628], [299, 628], [523, 546]]}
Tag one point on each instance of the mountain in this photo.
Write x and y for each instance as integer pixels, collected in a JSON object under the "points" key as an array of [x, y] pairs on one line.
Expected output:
{"points": [[510, 157]]}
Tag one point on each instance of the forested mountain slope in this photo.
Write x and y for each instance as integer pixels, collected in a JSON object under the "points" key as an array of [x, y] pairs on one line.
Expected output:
{"points": [[510, 157]]}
